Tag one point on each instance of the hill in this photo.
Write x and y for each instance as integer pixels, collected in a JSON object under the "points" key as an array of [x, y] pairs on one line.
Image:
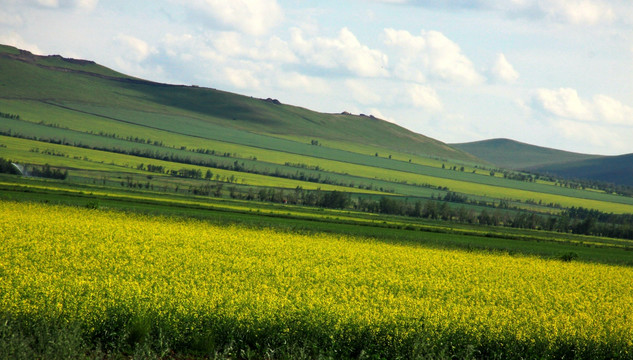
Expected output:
{"points": [[612, 169], [511, 154], [86, 86], [516, 155]]}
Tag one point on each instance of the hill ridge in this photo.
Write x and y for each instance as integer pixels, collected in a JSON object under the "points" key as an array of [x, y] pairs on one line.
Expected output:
{"points": [[211, 106], [517, 155]]}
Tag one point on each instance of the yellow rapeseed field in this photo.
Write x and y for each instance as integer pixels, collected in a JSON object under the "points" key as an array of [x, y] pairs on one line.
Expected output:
{"points": [[195, 281]]}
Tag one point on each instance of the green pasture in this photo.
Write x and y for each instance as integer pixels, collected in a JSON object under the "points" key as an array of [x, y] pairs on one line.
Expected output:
{"points": [[20, 150], [36, 111], [384, 152]]}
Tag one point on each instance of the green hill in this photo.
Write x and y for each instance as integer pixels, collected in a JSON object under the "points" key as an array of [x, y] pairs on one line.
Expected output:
{"points": [[85, 86], [611, 169], [515, 155], [511, 154]]}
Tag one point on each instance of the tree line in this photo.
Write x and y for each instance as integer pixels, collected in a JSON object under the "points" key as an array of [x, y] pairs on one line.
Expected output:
{"points": [[7, 167]]}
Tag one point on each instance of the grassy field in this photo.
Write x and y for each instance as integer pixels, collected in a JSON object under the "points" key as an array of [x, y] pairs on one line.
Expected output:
{"points": [[155, 286]]}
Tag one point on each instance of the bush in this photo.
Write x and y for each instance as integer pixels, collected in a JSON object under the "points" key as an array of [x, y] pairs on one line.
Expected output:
{"points": [[568, 256]]}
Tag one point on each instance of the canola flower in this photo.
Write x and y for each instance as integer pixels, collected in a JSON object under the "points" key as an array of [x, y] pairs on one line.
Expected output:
{"points": [[203, 286]]}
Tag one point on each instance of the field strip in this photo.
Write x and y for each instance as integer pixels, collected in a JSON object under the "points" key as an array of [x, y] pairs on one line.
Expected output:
{"points": [[215, 204], [24, 146], [335, 216]]}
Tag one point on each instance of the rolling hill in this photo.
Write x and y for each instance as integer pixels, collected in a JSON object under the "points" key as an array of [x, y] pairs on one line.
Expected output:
{"points": [[511, 154], [515, 155], [611, 169], [84, 86]]}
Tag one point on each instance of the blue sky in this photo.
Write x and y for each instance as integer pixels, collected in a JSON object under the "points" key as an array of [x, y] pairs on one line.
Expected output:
{"points": [[555, 73]]}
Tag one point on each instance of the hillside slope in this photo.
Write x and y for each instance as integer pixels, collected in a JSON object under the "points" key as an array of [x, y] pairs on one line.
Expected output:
{"points": [[513, 154], [85, 86], [611, 169]]}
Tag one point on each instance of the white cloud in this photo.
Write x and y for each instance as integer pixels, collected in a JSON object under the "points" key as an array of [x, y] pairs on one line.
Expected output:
{"points": [[303, 83], [276, 49], [377, 113], [135, 49], [587, 12], [447, 61], [135, 57], [87, 5], [504, 71], [14, 39], [233, 44], [594, 134], [563, 102], [408, 44], [182, 46], [424, 97], [47, 3], [10, 19], [433, 52], [612, 111], [579, 12], [254, 17], [241, 78], [344, 51], [362, 92], [566, 103]]}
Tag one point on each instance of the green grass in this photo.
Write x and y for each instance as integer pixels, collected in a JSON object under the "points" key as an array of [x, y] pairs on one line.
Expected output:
{"points": [[19, 150], [515, 155], [610, 169]]}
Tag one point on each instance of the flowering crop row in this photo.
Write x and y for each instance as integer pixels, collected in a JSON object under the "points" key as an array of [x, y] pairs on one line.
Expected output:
{"points": [[201, 287]]}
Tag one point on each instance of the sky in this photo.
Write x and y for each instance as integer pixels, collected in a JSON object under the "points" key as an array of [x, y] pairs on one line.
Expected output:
{"points": [[554, 73]]}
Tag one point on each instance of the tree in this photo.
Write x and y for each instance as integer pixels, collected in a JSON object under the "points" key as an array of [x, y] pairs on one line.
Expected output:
{"points": [[430, 210], [585, 227], [389, 206], [334, 200], [218, 190]]}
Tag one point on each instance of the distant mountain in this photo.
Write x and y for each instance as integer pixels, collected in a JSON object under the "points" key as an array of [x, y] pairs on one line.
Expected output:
{"points": [[82, 85], [511, 154], [611, 169], [516, 155]]}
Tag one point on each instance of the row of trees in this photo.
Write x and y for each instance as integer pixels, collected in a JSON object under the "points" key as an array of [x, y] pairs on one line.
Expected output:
{"points": [[9, 116], [6, 167], [48, 172]]}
